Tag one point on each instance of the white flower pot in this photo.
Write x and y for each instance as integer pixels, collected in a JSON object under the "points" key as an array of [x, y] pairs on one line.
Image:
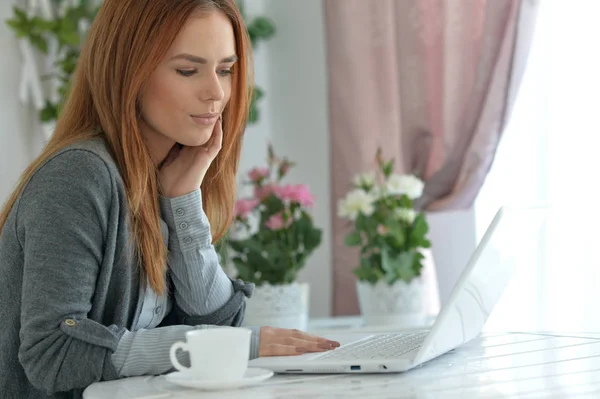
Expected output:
{"points": [[284, 306], [400, 304]]}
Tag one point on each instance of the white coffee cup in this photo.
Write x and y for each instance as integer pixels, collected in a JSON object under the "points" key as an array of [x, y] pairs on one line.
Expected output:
{"points": [[219, 354]]}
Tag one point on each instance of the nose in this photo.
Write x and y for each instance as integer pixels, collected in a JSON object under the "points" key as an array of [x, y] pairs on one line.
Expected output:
{"points": [[212, 89]]}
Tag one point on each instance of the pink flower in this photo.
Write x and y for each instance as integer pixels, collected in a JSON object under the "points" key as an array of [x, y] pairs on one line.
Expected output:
{"points": [[303, 196], [244, 207], [263, 192], [276, 222], [286, 192], [258, 174], [298, 193]]}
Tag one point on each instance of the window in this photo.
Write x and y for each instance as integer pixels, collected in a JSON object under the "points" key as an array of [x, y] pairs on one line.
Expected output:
{"points": [[550, 154]]}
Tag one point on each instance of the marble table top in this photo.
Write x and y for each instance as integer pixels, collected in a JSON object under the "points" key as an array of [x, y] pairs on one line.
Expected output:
{"points": [[494, 365]]}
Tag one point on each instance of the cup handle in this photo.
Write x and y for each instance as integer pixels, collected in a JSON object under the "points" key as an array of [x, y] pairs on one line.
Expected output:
{"points": [[173, 355]]}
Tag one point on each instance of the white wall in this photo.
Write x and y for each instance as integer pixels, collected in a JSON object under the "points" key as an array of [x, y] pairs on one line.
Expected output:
{"points": [[297, 95], [16, 121], [254, 151]]}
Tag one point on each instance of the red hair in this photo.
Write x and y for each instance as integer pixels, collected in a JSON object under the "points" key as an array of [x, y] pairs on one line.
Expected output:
{"points": [[126, 42]]}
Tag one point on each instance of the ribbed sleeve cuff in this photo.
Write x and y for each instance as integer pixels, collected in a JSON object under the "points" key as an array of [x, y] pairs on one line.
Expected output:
{"points": [[254, 342]]}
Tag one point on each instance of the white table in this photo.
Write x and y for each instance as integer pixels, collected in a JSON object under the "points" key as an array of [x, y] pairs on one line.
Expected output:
{"points": [[507, 365]]}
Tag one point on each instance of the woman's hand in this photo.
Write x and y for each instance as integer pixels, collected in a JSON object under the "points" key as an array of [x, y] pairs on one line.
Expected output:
{"points": [[184, 167], [285, 342]]}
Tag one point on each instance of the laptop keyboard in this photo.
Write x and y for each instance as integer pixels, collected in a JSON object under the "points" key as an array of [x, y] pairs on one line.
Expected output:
{"points": [[385, 346]]}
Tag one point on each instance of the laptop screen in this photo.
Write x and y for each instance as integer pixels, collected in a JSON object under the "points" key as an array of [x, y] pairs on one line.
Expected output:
{"points": [[479, 288]]}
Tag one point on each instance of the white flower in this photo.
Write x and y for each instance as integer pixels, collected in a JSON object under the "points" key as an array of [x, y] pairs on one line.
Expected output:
{"points": [[357, 201], [410, 185], [378, 192], [364, 180], [406, 214]]}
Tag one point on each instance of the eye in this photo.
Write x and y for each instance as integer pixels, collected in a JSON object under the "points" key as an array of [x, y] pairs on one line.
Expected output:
{"points": [[225, 72], [186, 73]]}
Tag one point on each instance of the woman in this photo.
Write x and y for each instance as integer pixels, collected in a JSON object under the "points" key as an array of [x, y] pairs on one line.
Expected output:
{"points": [[105, 245]]}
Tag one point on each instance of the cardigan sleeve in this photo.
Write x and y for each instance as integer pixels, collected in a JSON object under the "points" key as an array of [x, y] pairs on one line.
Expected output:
{"points": [[61, 219]]}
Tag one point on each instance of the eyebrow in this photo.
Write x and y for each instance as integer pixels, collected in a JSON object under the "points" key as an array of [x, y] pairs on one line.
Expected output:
{"points": [[200, 60]]}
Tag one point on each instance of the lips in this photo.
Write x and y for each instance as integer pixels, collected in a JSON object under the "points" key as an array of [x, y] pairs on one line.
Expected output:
{"points": [[206, 119]]}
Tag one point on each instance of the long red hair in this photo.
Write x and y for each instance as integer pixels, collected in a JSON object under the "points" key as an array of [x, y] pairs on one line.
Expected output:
{"points": [[126, 42]]}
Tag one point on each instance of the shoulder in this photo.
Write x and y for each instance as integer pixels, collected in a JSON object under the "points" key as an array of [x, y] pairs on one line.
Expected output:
{"points": [[92, 154], [82, 168]]}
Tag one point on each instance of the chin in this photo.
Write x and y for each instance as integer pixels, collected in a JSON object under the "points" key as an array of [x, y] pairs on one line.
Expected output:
{"points": [[196, 138]]}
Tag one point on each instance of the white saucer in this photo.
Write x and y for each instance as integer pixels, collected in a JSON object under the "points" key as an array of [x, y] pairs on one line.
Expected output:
{"points": [[252, 376]]}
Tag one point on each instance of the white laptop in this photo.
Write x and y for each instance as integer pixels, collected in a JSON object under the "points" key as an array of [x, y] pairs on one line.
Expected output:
{"points": [[512, 232]]}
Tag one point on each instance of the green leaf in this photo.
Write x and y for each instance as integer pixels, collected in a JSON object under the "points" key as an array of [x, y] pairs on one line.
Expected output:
{"points": [[20, 14], [312, 239], [69, 37], [404, 267], [388, 168], [366, 272], [418, 234], [417, 263], [405, 202], [17, 27], [68, 65], [242, 246], [261, 28], [395, 237], [366, 224], [237, 246], [258, 93], [273, 204], [243, 270], [300, 259], [387, 262], [353, 239], [420, 226], [253, 114], [38, 42], [43, 25], [49, 112], [257, 261]]}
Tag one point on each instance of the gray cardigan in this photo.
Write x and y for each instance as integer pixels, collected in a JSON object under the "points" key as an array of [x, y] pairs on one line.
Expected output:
{"points": [[71, 283]]}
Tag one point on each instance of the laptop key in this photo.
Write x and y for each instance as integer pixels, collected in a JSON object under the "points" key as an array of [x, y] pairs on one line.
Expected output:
{"points": [[384, 346]]}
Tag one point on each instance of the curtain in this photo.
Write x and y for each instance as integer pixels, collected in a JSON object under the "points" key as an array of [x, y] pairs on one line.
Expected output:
{"points": [[432, 82]]}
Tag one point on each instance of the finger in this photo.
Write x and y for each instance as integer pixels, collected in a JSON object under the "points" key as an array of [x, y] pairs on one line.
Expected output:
{"points": [[172, 155], [307, 346], [313, 338], [217, 137], [279, 350]]}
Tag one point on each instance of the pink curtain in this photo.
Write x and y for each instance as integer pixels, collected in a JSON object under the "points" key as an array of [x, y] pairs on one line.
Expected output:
{"points": [[430, 81]]}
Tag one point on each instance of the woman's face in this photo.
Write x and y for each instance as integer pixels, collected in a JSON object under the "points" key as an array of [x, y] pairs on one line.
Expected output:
{"points": [[185, 95]]}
